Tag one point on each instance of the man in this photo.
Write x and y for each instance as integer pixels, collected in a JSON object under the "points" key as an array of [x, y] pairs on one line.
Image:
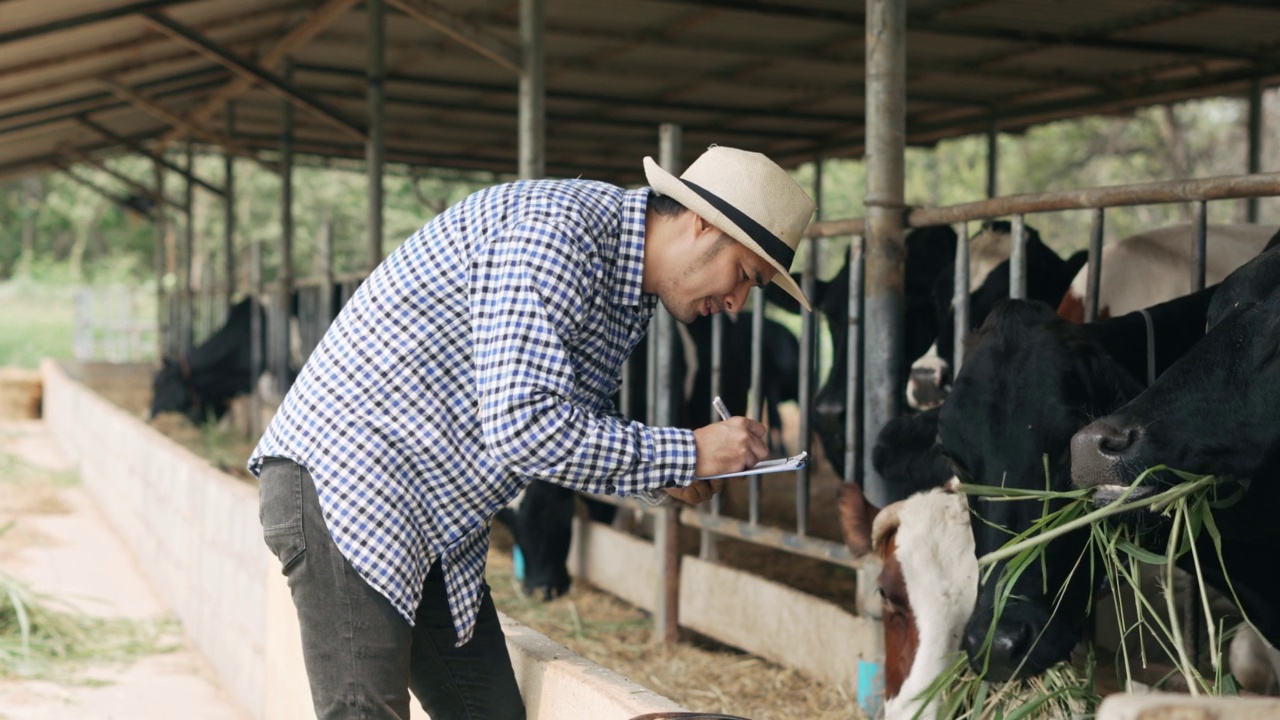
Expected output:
{"points": [[478, 357]]}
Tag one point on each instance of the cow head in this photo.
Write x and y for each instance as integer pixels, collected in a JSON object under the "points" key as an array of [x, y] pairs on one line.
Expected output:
{"points": [[927, 585], [170, 390], [1214, 411], [1030, 382], [929, 251], [542, 526], [1047, 278]]}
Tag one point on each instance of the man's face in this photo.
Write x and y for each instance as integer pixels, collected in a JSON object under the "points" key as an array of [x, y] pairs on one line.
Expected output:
{"points": [[717, 274]]}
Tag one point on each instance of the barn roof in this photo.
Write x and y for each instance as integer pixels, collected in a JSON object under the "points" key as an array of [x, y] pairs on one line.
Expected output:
{"points": [[82, 77]]}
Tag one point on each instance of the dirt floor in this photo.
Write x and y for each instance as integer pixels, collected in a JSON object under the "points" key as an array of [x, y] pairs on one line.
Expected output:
{"points": [[60, 546], [700, 674]]}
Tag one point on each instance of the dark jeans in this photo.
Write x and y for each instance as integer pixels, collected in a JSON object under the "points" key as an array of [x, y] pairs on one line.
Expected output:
{"points": [[362, 657]]}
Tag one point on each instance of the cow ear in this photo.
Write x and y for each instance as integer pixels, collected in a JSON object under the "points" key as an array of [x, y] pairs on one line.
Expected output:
{"points": [[857, 515]]}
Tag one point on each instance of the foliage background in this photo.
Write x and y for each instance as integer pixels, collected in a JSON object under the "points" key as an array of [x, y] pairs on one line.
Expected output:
{"points": [[55, 233]]}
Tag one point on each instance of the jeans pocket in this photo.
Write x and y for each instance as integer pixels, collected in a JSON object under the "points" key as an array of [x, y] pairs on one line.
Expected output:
{"points": [[280, 510]]}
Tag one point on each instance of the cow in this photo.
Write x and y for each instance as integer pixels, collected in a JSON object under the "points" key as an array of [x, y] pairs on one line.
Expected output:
{"points": [[1216, 411], [1031, 381], [1153, 266], [201, 383], [542, 522], [928, 318], [927, 584], [1048, 277]]}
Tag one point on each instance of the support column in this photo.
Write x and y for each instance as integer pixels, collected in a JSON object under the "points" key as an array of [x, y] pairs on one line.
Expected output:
{"points": [[533, 95], [1255, 143], [186, 296], [993, 156], [159, 266], [667, 616], [375, 144], [280, 314], [229, 215], [885, 248]]}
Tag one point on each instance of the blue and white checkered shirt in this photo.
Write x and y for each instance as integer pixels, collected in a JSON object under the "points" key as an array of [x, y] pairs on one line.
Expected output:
{"points": [[479, 356]]}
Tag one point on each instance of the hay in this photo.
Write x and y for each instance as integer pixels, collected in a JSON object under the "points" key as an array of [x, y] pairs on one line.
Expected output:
{"points": [[699, 674], [21, 393]]}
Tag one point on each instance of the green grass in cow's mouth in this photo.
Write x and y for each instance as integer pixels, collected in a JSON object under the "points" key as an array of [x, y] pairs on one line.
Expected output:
{"points": [[1067, 689]]}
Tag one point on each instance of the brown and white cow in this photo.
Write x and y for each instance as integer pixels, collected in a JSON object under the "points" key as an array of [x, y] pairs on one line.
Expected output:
{"points": [[1155, 266], [928, 585]]}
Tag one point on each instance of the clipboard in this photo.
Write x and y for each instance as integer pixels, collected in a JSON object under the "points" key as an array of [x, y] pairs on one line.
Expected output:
{"points": [[764, 467]]}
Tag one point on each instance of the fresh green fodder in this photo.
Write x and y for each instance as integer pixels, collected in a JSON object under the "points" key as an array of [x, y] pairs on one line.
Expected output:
{"points": [[1113, 550], [41, 638]]}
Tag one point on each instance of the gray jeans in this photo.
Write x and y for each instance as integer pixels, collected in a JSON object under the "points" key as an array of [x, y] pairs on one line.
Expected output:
{"points": [[362, 657]]}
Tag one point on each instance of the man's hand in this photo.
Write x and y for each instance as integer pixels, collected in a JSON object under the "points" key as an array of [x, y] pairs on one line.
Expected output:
{"points": [[729, 446], [697, 491]]}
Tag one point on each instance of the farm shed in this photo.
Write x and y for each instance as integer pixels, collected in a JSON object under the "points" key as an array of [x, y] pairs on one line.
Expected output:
{"points": [[536, 88]]}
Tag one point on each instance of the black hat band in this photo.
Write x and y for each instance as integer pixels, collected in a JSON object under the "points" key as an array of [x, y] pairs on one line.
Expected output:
{"points": [[767, 241]]}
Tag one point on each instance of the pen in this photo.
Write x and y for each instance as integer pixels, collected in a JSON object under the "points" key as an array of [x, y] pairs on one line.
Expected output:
{"points": [[720, 407]]}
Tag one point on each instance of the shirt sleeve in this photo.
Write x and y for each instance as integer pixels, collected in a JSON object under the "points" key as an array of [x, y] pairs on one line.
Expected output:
{"points": [[531, 293]]}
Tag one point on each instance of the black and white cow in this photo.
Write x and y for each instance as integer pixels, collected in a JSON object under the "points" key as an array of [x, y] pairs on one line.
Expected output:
{"points": [[1216, 411], [1030, 383]]}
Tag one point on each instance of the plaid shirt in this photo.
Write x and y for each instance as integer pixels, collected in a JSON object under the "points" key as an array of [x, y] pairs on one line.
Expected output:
{"points": [[480, 356]]}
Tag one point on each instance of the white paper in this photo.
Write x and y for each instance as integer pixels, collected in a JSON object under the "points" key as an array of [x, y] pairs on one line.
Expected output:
{"points": [[791, 464]]}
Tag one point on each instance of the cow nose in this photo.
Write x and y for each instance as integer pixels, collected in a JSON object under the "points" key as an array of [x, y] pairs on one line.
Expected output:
{"points": [[927, 384], [1106, 438], [1009, 645]]}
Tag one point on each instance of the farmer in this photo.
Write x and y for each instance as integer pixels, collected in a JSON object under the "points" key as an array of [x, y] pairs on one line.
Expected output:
{"points": [[480, 356]]}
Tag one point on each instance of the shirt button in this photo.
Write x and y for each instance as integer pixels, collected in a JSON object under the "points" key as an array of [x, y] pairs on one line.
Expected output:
{"points": [[610, 489]]}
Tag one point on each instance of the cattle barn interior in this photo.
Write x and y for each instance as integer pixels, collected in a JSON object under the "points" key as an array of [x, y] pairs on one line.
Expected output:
{"points": [[567, 88]]}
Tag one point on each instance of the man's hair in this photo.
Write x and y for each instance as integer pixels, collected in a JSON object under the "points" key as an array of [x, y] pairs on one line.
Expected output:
{"points": [[665, 204]]}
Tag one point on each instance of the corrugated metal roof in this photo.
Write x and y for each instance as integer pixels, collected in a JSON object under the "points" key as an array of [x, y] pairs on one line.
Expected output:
{"points": [[782, 76]]}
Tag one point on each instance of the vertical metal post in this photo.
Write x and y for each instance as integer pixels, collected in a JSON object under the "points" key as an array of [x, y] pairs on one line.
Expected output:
{"points": [[707, 545], [256, 349], [1018, 259], [667, 617], [229, 214], [1255, 142], [1199, 220], [808, 328], [960, 298], [853, 383], [375, 143], [159, 265], [1095, 265], [533, 93], [327, 311], [186, 303], [993, 156], [757, 391], [885, 249], [281, 314]]}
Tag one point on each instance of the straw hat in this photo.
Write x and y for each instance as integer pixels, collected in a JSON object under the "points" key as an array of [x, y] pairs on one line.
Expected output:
{"points": [[748, 196]]}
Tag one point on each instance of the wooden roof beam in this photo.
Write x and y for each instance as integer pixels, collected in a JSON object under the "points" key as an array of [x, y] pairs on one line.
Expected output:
{"points": [[169, 117], [298, 36], [84, 18], [154, 155], [251, 72], [122, 202], [464, 31], [73, 155]]}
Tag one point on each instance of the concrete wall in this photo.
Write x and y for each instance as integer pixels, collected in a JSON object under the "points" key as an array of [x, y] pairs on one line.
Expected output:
{"points": [[194, 530], [746, 611]]}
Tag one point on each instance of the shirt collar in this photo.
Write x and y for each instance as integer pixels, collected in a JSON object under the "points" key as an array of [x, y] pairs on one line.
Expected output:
{"points": [[630, 268]]}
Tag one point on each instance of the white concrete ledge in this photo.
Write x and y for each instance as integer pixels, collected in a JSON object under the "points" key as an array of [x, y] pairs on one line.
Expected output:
{"points": [[195, 533], [1167, 706]]}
